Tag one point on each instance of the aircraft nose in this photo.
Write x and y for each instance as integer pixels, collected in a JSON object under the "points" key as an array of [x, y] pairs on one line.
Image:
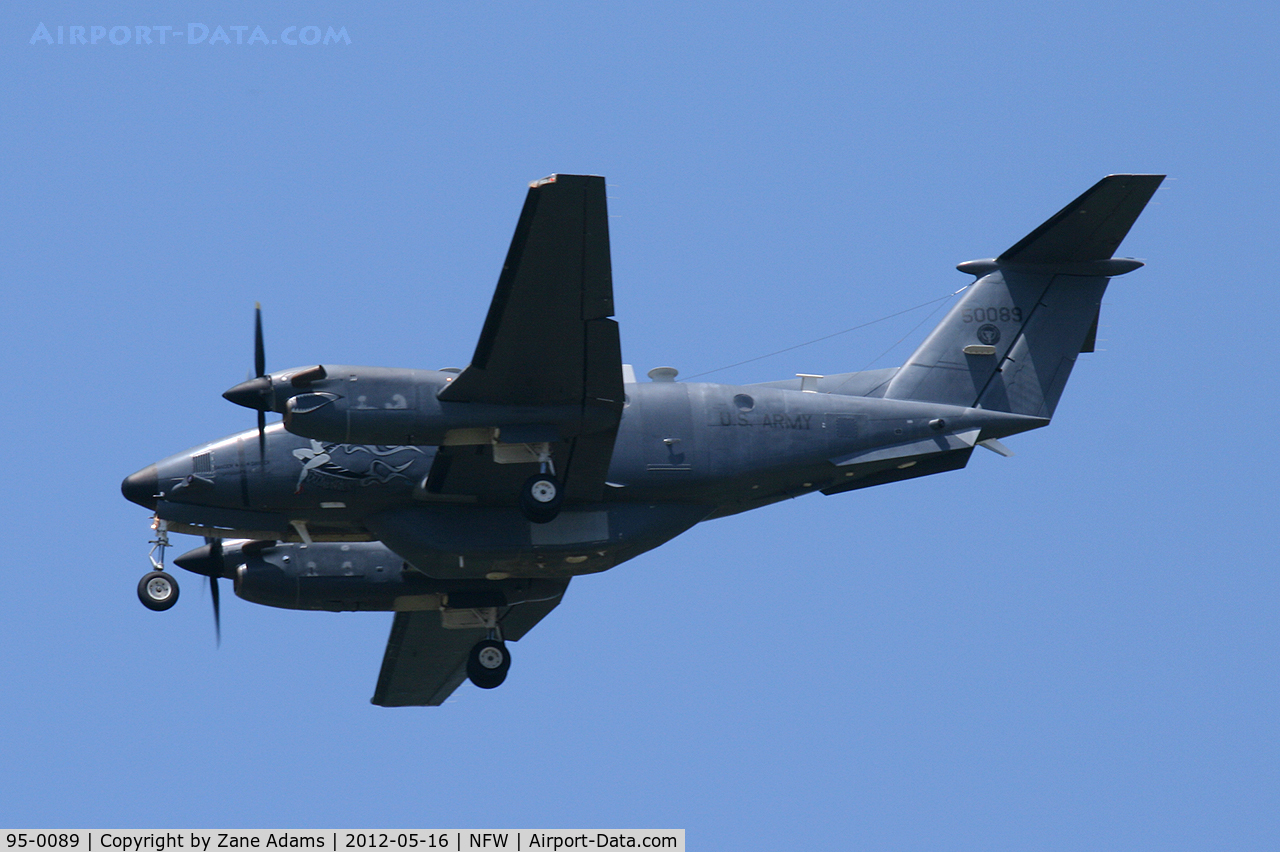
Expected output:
{"points": [[141, 487]]}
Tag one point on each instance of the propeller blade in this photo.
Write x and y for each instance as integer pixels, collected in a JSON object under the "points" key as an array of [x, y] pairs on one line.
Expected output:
{"points": [[260, 370], [217, 611], [215, 552], [259, 352]]}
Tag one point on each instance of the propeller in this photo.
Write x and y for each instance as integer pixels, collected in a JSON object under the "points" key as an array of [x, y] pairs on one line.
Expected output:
{"points": [[256, 392], [207, 560]]}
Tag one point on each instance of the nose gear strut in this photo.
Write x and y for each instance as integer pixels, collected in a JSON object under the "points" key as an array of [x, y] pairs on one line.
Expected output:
{"points": [[158, 590]]}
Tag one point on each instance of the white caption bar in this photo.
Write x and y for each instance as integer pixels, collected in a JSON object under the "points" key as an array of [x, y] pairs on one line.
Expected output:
{"points": [[336, 840]]}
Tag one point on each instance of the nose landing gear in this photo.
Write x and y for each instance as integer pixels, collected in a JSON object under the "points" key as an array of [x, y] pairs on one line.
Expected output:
{"points": [[158, 590]]}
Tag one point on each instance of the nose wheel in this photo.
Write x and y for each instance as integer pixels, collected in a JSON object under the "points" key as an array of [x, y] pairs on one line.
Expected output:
{"points": [[158, 590]]}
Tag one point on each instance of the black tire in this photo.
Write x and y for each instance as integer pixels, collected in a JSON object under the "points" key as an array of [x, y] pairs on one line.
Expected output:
{"points": [[158, 590], [487, 664], [540, 498]]}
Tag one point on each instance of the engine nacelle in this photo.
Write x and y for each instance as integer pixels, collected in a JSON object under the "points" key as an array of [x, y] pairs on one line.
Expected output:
{"points": [[338, 577], [394, 407], [329, 576]]}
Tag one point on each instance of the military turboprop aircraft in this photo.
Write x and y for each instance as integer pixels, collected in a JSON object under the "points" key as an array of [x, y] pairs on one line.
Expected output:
{"points": [[465, 501]]}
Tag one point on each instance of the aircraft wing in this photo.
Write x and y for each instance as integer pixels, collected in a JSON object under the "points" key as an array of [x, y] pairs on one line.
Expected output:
{"points": [[548, 340], [425, 662]]}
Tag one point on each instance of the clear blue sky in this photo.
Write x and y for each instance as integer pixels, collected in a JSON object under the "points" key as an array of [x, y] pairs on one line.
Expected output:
{"points": [[1075, 648]]}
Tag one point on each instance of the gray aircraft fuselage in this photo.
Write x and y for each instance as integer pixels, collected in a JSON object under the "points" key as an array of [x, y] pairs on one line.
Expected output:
{"points": [[684, 453]]}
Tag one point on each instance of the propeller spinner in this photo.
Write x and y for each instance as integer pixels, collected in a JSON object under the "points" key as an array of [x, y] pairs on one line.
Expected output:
{"points": [[208, 561]]}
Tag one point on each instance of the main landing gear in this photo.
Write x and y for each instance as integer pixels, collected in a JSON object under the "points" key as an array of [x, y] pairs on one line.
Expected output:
{"points": [[542, 494], [488, 662], [158, 590], [540, 498]]}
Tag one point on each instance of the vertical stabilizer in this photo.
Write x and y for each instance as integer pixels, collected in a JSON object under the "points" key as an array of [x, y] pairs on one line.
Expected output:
{"points": [[1010, 342]]}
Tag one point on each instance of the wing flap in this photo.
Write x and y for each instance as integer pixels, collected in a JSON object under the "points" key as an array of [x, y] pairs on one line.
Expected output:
{"points": [[423, 663]]}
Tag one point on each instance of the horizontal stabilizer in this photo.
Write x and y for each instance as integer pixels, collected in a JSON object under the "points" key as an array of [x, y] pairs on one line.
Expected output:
{"points": [[1091, 227], [996, 447], [911, 449]]}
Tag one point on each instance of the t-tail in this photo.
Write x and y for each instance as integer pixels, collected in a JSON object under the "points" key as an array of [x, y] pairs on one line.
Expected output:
{"points": [[1010, 342]]}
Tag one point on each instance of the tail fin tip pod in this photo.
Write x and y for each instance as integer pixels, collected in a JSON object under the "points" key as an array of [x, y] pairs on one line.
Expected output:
{"points": [[1010, 342]]}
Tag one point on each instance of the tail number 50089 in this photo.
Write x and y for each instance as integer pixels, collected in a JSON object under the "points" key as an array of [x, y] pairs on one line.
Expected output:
{"points": [[991, 315]]}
